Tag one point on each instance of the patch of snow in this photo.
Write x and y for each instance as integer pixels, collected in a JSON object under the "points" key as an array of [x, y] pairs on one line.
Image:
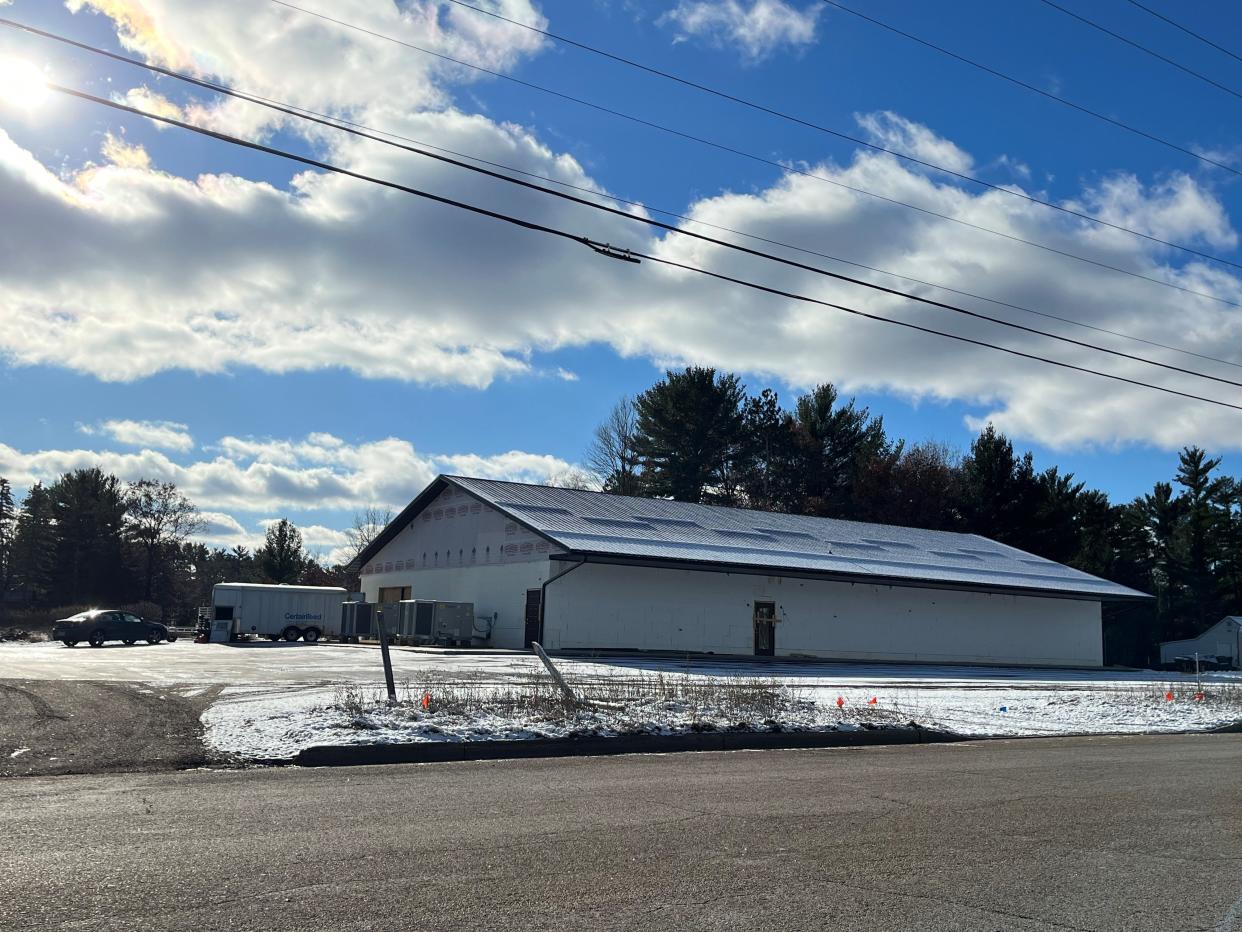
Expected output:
{"points": [[19, 752], [276, 723]]}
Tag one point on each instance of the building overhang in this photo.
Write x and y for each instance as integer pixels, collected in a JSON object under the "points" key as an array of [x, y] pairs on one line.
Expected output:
{"points": [[859, 579]]}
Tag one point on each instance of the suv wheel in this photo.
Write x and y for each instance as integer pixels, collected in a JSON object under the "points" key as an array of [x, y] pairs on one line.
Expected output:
{"points": [[97, 637]]}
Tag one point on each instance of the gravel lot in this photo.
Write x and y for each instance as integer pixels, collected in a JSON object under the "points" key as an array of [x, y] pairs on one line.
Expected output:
{"points": [[64, 726]]}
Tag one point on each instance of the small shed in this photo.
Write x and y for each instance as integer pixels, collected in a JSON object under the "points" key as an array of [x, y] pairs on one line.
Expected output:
{"points": [[1221, 641]]}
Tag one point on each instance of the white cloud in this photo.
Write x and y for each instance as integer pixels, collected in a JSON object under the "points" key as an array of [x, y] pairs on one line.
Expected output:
{"points": [[316, 473], [756, 29], [115, 271], [158, 435], [273, 51], [895, 132]]}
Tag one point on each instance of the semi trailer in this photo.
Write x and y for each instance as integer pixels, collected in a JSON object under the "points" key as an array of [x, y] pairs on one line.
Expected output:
{"points": [[276, 612]]}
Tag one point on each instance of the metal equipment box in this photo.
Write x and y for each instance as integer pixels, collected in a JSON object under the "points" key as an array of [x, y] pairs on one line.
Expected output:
{"points": [[425, 621], [454, 622], [356, 620]]}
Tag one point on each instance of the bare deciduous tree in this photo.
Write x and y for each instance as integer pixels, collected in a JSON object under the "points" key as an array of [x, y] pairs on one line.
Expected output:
{"points": [[612, 455], [574, 478], [368, 523], [158, 518]]}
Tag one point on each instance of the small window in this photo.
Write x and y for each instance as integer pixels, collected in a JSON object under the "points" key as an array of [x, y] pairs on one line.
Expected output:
{"points": [[224, 613]]}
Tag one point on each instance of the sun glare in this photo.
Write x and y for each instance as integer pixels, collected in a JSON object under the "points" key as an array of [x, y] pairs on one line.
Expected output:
{"points": [[21, 84]]}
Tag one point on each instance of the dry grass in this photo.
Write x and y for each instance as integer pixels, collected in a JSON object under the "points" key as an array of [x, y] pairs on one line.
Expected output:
{"points": [[700, 703]]}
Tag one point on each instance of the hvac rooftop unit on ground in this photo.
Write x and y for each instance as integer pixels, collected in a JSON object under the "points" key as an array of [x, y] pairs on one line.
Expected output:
{"points": [[356, 621], [426, 621], [415, 621]]}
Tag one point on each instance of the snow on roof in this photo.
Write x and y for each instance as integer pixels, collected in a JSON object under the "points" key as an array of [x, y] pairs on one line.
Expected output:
{"points": [[648, 530]]}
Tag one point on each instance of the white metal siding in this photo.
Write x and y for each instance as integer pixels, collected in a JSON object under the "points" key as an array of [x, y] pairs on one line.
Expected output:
{"points": [[1222, 639], [457, 530], [676, 610]]}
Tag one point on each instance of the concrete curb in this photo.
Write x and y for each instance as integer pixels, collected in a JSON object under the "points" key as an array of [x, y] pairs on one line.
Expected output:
{"points": [[337, 755]]}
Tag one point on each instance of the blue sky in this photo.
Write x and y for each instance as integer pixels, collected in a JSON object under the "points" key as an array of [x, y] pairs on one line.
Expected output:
{"points": [[472, 345]]}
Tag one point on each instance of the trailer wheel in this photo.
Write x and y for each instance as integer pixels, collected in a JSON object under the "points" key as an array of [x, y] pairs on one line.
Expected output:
{"points": [[291, 633], [310, 635], [273, 637]]}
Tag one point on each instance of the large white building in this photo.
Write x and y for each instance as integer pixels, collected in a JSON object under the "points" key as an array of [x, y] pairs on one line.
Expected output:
{"points": [[585, 570]]}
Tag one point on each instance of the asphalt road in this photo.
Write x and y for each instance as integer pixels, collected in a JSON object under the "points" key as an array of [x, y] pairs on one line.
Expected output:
{"points": [[1104, 833]]}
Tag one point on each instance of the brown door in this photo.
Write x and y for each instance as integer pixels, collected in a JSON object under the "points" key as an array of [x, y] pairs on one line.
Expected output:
{"points": [[765, 629], [532, 616]]}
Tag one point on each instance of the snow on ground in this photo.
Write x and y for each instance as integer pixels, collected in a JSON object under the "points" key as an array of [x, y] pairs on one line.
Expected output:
{"points": [[278, 698], [276, 723]]}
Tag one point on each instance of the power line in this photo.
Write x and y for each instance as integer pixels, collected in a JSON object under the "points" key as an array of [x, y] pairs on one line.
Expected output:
{"points": [[1065, 101], [1189, 32], [783, 167], [276, 106], [801, 121], [342, 124], [1137, 45], [608, 249]]}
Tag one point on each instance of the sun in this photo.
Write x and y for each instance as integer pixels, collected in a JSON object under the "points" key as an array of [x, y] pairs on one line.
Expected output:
{"points": [[22, 85]]}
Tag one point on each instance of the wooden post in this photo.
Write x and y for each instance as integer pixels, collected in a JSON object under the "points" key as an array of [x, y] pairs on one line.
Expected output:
{"points": [[383, 639], [555, 673]]}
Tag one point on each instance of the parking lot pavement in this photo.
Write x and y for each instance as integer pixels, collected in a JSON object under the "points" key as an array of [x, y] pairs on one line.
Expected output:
{"points": [[260, 663]]}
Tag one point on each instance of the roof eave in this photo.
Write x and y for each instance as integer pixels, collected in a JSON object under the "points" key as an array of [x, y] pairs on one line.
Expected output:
{"points": [[757, 569]]}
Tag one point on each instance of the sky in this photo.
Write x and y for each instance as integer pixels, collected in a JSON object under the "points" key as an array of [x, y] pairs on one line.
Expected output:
{"points": [[282, 341]]}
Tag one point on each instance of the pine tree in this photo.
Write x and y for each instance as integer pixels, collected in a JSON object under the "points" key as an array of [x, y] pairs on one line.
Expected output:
{"points": [[89, 506], [282, 557], [1204, 505], [690, 436], [837, 442], [34, 545], [8, 528]]}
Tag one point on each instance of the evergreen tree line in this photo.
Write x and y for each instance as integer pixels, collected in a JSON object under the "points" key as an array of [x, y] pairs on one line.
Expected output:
{"points": [[698, 436], [90, 539]]}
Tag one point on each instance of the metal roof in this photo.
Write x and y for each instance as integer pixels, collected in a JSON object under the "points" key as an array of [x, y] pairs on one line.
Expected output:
{"points": [[648, 530]]}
